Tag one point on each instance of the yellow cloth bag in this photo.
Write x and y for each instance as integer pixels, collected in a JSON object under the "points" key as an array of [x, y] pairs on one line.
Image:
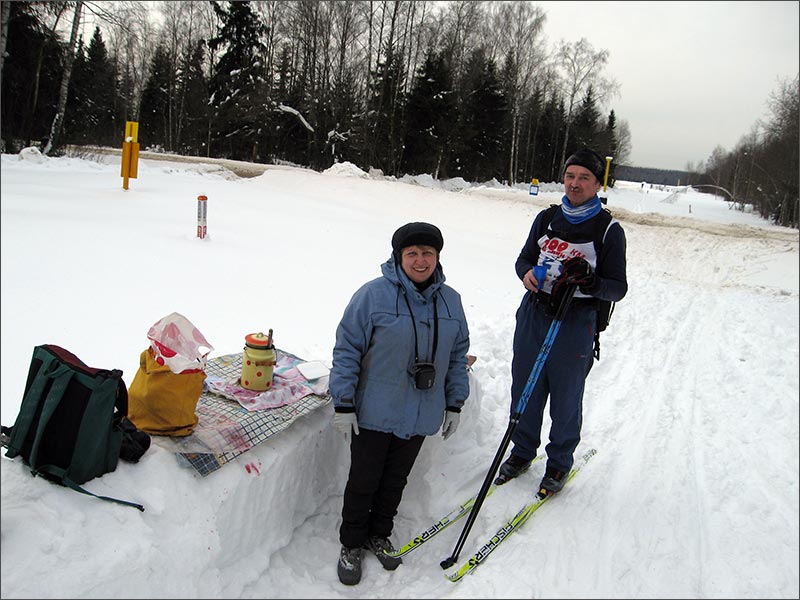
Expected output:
{"points": [[161, 402]]}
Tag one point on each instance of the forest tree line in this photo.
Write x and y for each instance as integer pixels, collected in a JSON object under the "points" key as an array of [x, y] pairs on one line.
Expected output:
{"points": [[458, 89]]}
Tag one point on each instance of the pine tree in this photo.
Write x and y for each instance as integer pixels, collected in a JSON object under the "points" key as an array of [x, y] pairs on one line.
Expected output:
{"points": [[530, 138], [76, 122], [239, 109], [483, 115], [154, 115], [99, 114], [344, 114], [385, 119], [551, 134], [585, 126], [608, 146], [430, 115], [192, 87], [32, 71]]}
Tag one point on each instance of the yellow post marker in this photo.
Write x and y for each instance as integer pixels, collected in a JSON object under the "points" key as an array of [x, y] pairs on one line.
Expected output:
{"points": [[608, 167], [130, 153]]}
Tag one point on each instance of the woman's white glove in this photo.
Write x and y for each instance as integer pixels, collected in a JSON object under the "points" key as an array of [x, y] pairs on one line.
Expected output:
{"points": [[345, 422], [450, 423]]}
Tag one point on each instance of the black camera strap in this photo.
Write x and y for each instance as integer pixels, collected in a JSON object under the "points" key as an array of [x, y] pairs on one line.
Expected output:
{"points": [[414, 323]]}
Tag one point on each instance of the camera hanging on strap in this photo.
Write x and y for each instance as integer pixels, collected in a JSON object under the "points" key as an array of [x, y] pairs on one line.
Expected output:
{"points": [[424, 373]]}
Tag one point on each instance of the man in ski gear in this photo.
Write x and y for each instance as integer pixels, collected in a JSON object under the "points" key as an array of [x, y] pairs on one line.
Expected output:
{"points": [[565, 246], [399, 374]]}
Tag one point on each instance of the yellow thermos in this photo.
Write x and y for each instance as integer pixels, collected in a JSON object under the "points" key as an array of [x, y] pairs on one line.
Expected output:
{"points": [[258, 362]]}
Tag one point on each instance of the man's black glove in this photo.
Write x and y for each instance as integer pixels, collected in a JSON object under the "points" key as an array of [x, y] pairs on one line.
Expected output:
{"points": [[576, 271], [560, 287], [579, 272]]}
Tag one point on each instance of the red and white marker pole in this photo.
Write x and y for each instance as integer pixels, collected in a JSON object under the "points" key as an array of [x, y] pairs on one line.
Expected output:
{"points": [[202, 213]]}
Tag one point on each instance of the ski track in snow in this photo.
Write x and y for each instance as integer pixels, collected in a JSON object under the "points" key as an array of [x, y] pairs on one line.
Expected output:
{"points": [[628, 414]]}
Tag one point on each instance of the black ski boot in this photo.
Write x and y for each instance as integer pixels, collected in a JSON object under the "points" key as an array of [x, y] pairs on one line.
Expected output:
{"points": [[513, 467], [349, 567], [552, 482], [383, 550]]}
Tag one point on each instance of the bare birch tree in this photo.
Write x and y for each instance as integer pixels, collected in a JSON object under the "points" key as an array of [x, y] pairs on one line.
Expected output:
{"points": [[462, 33], [5, 6], [69, 59], [515, 30], [583, 67], [132, 43]]}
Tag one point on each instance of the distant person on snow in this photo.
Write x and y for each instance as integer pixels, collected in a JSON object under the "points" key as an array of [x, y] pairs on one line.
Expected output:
{"points": [[399, 374], [567, 249]]}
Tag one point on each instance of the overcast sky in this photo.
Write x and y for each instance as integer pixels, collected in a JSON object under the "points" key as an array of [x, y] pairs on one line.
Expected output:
{"points": [[663, 53]]}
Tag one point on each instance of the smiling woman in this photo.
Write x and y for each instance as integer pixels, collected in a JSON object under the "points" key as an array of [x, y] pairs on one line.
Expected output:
{"points": [[399, 374], [417, 245]]}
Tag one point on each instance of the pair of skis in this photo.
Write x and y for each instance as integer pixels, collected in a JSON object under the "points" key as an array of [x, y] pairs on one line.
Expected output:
{"points": [[443, 523], [502, 534]]}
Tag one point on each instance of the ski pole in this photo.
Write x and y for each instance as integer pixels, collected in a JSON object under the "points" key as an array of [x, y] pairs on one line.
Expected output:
{"points": [[512, 423]]}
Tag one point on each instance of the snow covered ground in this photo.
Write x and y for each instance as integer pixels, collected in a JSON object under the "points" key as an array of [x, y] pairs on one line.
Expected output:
{"points": [[693, 407]]}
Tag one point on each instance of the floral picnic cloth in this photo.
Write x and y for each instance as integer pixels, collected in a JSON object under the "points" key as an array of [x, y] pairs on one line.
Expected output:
{"points": [[288, 386]]}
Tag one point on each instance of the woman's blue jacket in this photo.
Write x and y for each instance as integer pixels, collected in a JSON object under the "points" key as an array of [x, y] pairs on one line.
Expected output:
{"points": [[375, 352]]}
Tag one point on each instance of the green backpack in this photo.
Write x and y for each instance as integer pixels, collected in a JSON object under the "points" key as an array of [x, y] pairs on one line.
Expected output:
{"points": [[71, 423]]}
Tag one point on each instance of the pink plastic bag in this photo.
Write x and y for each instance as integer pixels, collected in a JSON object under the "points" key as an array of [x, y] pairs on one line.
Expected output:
{"points": [[178, 344]]}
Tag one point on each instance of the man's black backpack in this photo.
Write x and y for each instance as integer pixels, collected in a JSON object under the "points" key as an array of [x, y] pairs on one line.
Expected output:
{"points": [[72, 421], [605, 308]]}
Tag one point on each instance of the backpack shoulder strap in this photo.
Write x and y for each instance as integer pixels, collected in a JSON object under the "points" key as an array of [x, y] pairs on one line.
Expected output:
{"points": [[605, 308], [602, 223], [549, 213], [37, 389], [74, 486]]}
